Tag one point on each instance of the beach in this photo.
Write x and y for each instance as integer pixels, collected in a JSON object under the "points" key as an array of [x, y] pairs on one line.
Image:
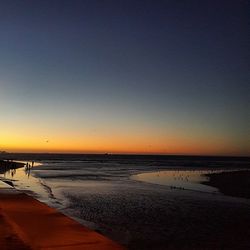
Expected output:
{"points": [[103, 195], [26, 223]]}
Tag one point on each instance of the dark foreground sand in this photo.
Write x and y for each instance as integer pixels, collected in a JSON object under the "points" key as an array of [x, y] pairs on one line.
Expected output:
{"points": [[26, 223], [236, 183], [145, 216]]}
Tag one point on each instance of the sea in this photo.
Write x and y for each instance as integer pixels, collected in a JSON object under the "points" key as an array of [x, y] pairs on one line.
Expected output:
{"points": [[138, 200]]}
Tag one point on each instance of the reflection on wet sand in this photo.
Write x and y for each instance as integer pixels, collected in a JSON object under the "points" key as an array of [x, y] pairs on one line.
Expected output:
{"points": [[6, 165], [22, 179], [28, 167], [12, 170], [179, 179]]}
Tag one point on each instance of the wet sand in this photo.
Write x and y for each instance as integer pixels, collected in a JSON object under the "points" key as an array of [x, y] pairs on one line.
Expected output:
{"points": [[26, 223], [156, 217], [236, 183], [8, 165]]}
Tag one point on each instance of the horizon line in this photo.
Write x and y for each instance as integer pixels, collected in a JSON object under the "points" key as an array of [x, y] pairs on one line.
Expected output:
{"points": [[141, 154]]}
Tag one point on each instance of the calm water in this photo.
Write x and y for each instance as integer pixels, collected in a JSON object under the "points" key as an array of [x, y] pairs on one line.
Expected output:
{"points": [[182, 179]]}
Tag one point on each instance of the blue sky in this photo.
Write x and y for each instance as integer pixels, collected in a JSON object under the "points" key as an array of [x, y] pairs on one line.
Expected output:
{"points": [[159, 69]]}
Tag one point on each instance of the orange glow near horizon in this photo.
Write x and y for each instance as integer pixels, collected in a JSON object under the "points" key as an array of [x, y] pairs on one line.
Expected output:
{"points": [[124, 144], [121, 138]]}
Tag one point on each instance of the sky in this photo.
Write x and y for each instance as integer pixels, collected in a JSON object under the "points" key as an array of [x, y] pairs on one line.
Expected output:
{"points": [[153, 77]]}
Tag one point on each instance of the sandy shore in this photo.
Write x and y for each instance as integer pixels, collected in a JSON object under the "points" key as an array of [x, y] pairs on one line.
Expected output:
{"points": [[236, 183], [26, 223]]}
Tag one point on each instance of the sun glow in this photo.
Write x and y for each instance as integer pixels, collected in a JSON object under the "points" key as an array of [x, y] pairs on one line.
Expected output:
{"points": [[145, 143]]}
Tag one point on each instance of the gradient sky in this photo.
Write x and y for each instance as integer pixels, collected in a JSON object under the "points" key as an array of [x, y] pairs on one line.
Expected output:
{"points": [[169, 77]]}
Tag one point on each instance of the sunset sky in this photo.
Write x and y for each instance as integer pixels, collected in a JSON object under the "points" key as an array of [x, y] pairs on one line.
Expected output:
{"points": [[168, 77]]}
